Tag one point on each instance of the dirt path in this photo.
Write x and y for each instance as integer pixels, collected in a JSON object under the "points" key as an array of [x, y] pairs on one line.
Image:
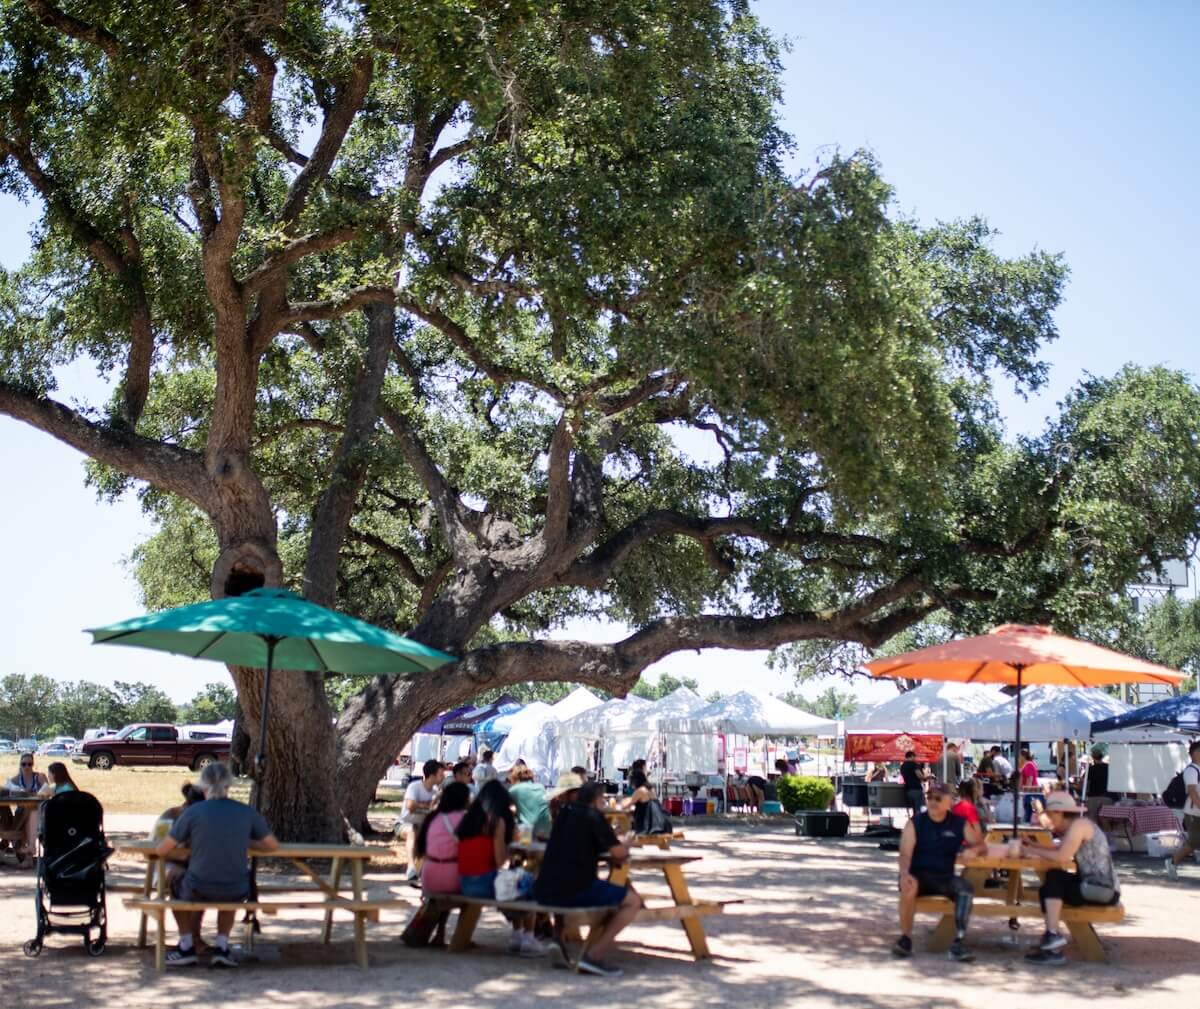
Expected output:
{"points": [[813, 929]]}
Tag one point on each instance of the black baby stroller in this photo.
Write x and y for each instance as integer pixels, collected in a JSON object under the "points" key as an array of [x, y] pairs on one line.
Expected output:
{"points": [[70, 879]]}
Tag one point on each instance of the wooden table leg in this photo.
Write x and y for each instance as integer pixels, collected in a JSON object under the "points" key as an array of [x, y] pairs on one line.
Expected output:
{"points": [[360, 917], [335, 878], [468, 918], [1086, 939], [692, 926], [160, 940], [619, 874], [943, 935], [147, 887]]}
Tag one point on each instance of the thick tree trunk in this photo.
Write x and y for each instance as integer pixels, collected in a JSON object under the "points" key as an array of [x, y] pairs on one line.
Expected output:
{"points": [[299, 793]]}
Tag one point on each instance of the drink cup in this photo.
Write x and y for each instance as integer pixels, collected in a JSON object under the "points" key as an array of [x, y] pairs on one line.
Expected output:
{"points": [[1014, 848]]}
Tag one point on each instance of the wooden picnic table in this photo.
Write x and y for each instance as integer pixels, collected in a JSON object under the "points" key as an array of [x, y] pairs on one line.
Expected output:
{"points": [[669, 863], [999, 833], [300, 855]]}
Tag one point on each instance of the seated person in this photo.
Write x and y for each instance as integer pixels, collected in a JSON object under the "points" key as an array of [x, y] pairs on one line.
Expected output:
{"points": [[563, 792], [533, 808], [929, 846], [583, 775], [649, 817], [1096, 882], [970, 805], [176, 866], [761, 789], [437, 840], [26, 781], [568, 878], [484, 836], [218, 831], [419, 798], [60, 779], [462, 772]]}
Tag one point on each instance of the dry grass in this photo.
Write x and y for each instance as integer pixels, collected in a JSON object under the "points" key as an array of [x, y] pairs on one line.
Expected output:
{"points": [[127, 789]]}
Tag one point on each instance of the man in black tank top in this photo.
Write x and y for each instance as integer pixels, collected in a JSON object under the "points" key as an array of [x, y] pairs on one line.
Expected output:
{"points": [[929, 846]]}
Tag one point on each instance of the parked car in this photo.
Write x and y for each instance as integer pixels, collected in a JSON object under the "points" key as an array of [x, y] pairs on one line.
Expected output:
{"points": [[152, 744], [54, 750], [7, 746], [101, 733], [27, 745]]}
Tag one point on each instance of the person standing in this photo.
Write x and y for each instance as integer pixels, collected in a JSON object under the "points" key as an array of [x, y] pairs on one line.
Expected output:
{"points": [[954, 767], [485, 770], [1002, 768], [914, 784], [1191, 811], [418, 801], [929, 846]]}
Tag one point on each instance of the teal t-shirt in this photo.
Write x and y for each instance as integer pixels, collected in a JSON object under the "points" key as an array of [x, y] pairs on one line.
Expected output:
{"points": [[533, 807]]}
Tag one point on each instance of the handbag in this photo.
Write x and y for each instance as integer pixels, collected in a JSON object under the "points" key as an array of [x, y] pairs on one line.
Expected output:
{"points": [[1096, 891], [513, 884]]}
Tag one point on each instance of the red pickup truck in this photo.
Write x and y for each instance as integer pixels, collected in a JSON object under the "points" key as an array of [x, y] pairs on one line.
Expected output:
{"points": [[153, 744]]}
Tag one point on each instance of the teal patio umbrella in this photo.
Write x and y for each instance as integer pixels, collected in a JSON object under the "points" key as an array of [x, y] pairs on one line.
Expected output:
{"points": [[265, 628]]}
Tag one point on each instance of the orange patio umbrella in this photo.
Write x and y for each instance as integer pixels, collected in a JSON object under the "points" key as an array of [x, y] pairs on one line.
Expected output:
{"points": [[1020, 655]]}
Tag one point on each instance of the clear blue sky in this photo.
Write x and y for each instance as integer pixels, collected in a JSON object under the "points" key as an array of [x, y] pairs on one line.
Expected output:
{"points": [[1072, 127]]}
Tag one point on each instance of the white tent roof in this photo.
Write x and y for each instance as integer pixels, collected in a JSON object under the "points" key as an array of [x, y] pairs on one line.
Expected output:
{"points": [[575, 703], [532, 714], [592, 721], [751, 715], [1047, 714], [927, 708], [649, 719]]}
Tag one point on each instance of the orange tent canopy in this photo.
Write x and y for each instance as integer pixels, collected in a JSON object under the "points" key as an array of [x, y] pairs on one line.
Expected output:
{"points": [[1020, 654]]}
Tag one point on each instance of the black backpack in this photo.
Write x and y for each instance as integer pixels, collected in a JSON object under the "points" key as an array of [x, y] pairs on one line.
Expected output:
{"points": [[1175, 794]]}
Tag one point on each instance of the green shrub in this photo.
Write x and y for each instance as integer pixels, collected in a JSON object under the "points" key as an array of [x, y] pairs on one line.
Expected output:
{"points": [[800, 791]]}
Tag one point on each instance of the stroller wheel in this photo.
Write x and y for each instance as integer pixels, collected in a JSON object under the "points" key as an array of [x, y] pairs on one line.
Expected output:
{"points": [[94, 946], [32, 948]]}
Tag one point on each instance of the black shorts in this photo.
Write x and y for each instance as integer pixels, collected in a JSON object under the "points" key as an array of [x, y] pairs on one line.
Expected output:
{"points": [[182, 889], [1062, 885], [937, 884]]}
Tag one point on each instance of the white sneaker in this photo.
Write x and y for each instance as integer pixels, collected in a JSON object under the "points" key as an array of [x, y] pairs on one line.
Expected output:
{"points": [[1172, 871], [533, 947]]}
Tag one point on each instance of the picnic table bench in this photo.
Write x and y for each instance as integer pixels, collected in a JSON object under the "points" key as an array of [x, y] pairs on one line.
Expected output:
{"points": [[471, 908], [340, 856], [671, 865], [363, 911], [1010, 903]]}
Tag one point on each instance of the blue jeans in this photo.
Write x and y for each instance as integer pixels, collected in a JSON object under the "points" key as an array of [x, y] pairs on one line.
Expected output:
{"points": [[483, 885]]}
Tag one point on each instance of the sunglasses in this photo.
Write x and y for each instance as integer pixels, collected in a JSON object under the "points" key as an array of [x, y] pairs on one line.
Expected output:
{"points": [[28, 764]]}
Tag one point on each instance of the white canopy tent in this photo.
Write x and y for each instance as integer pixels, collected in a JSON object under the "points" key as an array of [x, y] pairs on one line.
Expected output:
{"points": [[522, 731], [747, 714], [1047, 714], [575, 703], [933, 706], [577, 737], [637, 732]]}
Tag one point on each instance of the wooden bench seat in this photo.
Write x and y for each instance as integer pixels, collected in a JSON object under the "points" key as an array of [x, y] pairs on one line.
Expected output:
{"points": [[363, 911], [471, 908], [1079, 920]]}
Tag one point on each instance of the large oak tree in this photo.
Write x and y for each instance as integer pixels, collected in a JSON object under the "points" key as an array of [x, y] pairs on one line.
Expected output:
{"points": [[474, 317]]}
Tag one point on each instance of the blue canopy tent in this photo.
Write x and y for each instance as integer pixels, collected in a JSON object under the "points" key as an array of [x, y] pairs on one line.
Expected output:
{"points": [[1179, 713]]}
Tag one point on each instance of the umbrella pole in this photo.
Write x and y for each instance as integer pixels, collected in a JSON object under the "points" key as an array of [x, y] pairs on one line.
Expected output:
{"points": [[1017, 764], [260, 758]]}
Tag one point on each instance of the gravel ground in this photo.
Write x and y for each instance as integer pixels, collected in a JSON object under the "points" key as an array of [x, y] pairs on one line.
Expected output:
{"points": [[813, 927]]}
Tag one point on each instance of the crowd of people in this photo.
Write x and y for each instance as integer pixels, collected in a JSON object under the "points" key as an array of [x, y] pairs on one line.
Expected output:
{"points": [[459, 832]]}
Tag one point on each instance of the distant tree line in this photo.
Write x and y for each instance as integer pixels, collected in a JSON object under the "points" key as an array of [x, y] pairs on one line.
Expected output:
{"points": [[41, 707]]}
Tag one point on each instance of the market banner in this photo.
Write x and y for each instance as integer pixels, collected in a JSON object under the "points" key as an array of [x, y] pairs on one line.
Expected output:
{"points": [[891, 746]]}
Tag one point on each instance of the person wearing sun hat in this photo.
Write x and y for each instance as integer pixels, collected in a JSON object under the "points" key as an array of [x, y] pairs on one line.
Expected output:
{"points": [[1080, 841], [563, 792]]}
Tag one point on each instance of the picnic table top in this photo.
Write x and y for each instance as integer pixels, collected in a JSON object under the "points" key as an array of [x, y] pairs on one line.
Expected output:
{"points": [[990, 861], [642, 858], [23, 800], [289, 849]]}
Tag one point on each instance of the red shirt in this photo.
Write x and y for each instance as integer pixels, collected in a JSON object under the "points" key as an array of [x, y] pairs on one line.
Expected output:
{"points": [[966, 809], [476, 855], [1029, 775]]}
